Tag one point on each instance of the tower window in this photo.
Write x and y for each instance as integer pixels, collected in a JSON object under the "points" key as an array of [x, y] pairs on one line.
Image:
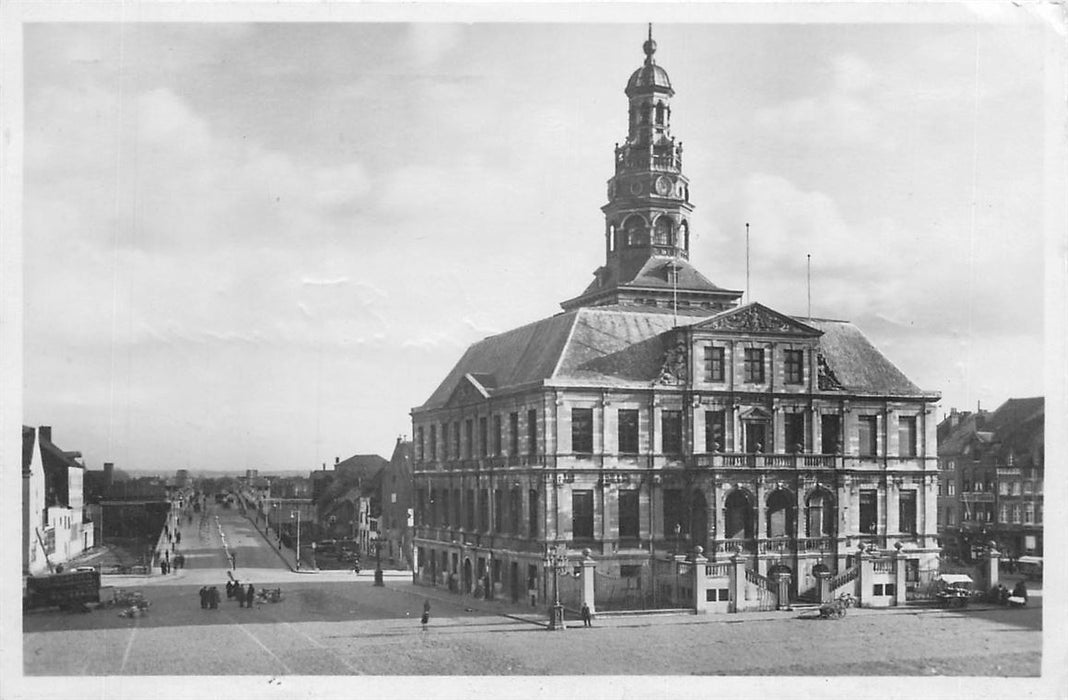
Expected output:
{"points": [[754, 365], [714, 357], [795, 362], [660, 113]]}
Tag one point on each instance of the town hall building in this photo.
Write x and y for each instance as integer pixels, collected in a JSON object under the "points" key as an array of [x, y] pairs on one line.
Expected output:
{"points": [[657, 414]]}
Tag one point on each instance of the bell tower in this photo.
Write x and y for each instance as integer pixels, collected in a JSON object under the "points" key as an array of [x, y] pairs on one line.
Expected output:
{"points": [[647, 217]]}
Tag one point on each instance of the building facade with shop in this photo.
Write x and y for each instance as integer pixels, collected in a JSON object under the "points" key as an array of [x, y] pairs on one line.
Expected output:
{"points": [[994, 467], [657, 414]]}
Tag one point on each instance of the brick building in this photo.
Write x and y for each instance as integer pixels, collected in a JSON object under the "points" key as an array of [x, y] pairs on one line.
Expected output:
{"points": [[656, 414]]}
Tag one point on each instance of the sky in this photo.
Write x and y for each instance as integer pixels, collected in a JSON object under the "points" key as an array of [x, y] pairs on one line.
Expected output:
{"points": [[258, 246]]}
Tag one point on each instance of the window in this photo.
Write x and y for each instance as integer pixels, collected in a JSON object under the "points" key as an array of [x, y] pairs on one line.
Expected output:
{"points": [[795, 432], [513, 434], [951, 488], [532, 518], [869, 511], [795, 364], [1027, 487], [1003, 488], [456, 440], [906, 436], [420, 509], [420, 449], [483, 510], [628, 431], [907, 511], [674, 514], [714, 364], [515, 508], [1038, 513], [1016, 513], [671, 431], [715, 431], [483, 438], [498, 509], [456, 522], [446, 513], [469, 438], [829, 434], [582, 515], [1003, 513], [628, 514], [433, 442], [1029, 513], [582, 431], [754, 365], [866, 431], [532, 432], [497, 446], [469, 510]]}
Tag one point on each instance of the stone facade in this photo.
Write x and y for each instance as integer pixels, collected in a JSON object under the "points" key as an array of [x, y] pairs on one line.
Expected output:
{"points": [[656, 415]]}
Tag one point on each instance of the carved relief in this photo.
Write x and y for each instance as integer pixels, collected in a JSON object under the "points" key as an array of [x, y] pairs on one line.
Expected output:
{"points": [[827, 379], [753, 319], [673, 370]]}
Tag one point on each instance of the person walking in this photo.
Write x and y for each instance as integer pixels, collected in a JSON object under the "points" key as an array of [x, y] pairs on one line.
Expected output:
{"points": [[203, 597], [250, 596], [213, 598], [586, 616], [239, 593], [229, 590], [426, 613]]}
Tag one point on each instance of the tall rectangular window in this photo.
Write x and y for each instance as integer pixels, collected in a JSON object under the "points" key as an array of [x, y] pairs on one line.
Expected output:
{"points": [[420, 508], [513, 434], [795, 432], [628, 430], [533, 513], [456, 440], [515, 509], [629, 521], [582, 431], [867, 427], [714, 367], [715, 431], [483, 510], [433, 442], [498, 507], [532, 432], [420, 447], [497, 446], [830, 434], [906, 436], [483, 438], [795, 366], [469, 510], [754, 365], [582, 515], [869, 511], [907, 511], [671, 431], [469, 438], [674, 514], [446, 509], [456, 509]]}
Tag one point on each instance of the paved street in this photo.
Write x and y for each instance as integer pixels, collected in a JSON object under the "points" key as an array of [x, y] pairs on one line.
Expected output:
{"points": [[339, 623]]}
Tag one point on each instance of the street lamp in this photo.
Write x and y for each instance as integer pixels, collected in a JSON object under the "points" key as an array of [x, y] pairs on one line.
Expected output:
{"points": [[296, 514], [556, 559]]}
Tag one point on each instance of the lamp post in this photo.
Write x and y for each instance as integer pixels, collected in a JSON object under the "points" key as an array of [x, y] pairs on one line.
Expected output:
{"points": [[296, 514], [556, 560], [678, 532]]}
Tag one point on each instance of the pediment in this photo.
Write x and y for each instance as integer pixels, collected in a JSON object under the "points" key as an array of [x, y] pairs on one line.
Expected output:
{"points": [[470, 389], [754, 413], [757, 318]]}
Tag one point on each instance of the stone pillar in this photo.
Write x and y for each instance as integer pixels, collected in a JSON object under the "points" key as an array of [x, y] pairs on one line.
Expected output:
{"points": [[700, 581], [900, 563], [864, 578], [992, 568], [823, 585], [589, 567], [737, 583]]}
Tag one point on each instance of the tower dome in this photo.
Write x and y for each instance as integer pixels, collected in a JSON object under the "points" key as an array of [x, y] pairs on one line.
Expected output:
{"points": [[650, 77]]}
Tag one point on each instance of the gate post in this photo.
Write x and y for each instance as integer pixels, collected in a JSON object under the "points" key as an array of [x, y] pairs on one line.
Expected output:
{"points": [[589, 567], [993, 574], [900, 593], [865, 574], [700, 581], [737, 582]]}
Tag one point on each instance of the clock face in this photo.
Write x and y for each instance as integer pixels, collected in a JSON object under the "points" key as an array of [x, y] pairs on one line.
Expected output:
{"points": [[663, 185]]}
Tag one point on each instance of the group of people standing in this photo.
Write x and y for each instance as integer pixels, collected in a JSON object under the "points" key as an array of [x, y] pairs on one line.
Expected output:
{"points": [[246, 595], [209, 597]]}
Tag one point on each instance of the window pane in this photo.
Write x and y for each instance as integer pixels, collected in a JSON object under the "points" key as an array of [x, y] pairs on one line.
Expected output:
{"points": [[628, 431], [715, 431], [671, 427], [869, 511], [795, 432], [795, 360], [532, 432], [582, 430], [754, 365], [714, 368], [513, 434], [582, 514], [906, 436], [628, 513], [866, 429], [907, 514]]}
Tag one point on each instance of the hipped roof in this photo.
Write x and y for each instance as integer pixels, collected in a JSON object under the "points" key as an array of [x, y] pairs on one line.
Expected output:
{"points": [[624, 346]]}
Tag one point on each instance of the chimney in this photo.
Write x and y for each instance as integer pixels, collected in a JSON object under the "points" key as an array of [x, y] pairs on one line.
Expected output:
{"points": [[45, 433], [109, 473]]}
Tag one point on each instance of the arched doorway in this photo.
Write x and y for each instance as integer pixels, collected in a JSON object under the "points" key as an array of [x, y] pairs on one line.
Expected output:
{"points": [[467, 576], [737, 516], [698, 520], [782, 576], [780, 509], [819, 521]]}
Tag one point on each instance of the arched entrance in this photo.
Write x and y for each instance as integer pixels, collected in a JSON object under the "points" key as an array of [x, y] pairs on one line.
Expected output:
{"points": [[698, 520], [820, 514], [782, 576], [780, 508], [737, 516], [467, 576]]}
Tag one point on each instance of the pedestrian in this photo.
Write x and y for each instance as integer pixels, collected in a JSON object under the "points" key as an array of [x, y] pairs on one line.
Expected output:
{"points": [[179, 536], [213, 598], [586, 616], [229, 590], [239, 592], [163, 567], [426, 613], [203, 597], [250, 596]]}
